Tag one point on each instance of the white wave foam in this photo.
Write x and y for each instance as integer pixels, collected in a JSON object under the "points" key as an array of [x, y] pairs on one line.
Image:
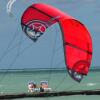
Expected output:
{"points": [[91, 84]]}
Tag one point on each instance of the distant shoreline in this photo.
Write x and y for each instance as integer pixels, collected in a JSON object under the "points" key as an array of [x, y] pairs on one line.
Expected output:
{"points": [[42, 70]]}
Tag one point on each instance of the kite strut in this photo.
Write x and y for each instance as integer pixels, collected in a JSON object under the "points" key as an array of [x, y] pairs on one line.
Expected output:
{"points": [[9, 6]]}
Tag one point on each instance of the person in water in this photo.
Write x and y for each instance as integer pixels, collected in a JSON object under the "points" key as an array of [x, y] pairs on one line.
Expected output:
{"points": [[31, 86], [43, 86]]}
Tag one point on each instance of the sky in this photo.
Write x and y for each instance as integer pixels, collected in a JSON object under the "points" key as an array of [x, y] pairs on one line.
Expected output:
{"points": [[17, 51]]}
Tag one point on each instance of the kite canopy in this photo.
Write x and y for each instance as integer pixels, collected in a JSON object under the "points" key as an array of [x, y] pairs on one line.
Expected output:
{"points": [[76, 38]]}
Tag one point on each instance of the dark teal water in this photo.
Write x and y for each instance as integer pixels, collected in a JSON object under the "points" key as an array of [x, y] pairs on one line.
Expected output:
{"points": [[66, 98]]}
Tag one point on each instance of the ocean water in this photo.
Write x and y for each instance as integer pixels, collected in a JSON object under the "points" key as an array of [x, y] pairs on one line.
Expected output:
{"points": [[16, 82]]}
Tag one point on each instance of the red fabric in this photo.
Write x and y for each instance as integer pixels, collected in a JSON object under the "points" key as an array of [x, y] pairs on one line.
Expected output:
{"points": [[78, 45], [77, 40], [32, 14], [42, 12]]}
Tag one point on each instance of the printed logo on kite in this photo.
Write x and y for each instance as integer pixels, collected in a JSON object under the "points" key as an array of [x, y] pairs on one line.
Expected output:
{"points": [[79, 68], [34, 29]]}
